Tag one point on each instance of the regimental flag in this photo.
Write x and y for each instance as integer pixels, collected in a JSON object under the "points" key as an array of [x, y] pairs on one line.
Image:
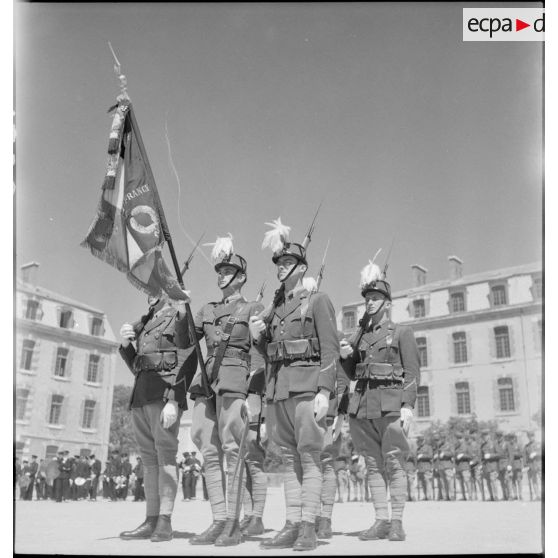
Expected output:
{"points": [[130, 228]]}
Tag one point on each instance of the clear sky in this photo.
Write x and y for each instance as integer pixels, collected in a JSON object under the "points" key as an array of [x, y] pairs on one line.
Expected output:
{"points": [[381, 109]]}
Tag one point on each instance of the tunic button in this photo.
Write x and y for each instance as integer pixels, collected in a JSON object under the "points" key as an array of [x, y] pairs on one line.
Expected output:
{"points": [[217, 333], [156, 336], [282, 322]]}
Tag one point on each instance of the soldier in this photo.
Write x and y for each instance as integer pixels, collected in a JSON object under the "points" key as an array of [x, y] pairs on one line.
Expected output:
{"points": [[341, 469], [383, 358], [463, 457], [157, 402], [195, 473], [476, 485], [116, 473], [126, 473], [504, 468], [411, 474], [489, 456], [299, 338], [515, 457], [95, 467], [234, 367], [185, 468], [533, 459], [32, 469], [139, 493], [424, 468], [41, 483], [445, 456], [82, 472]]}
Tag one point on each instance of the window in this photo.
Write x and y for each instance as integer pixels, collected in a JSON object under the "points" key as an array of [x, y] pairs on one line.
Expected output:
{"points": [[423, 401], [88, 414], [66, 319], [97, 326], [60, 368], [349, 320], [51, 452], [93, 368], [32, 309], [27, 349], [463, 398], [459, 347], [457, 302], [419, 309], [423, 352], [499, 297], [537, 289], [22, 397], [505, 392], [502, 337], [55, 413]]}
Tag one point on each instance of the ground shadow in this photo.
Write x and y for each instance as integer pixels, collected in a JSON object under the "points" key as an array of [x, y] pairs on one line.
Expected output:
{"points": [[182, 535]]}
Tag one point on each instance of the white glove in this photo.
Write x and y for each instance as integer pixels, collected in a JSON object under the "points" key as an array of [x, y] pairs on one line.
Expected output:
{"points": [[321, 405], [256, 326], [263, 432], [253, 405], [169, 414], [127, 333], [406, 419], [346, 349], [338, 425]]}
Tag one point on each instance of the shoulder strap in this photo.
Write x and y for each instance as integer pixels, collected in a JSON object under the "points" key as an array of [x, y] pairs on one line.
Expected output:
{"points": [[305, 307], [226, 335]]}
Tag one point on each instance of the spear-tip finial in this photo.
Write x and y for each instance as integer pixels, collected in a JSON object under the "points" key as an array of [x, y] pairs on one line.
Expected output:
{"points": [[118, 71]]}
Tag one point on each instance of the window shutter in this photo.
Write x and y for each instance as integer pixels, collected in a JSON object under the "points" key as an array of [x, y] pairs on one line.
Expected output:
{"points": [[495, 396], [90, 323], [451, 354], [36, 355], [429, 353], [72, 321], [49, 405], [86, 367], [431, 401], [58, 315], [492, 342], [512, 341], [54, 354], [469, 346], [40, 312], [516, 393], [427, 306], [96, 413], [100, 369], [69, 360], [472, 399], [453, 400], [81, 411]]}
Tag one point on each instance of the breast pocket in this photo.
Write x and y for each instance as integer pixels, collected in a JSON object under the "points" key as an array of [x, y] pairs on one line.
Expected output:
{"points": [[389, 353]]}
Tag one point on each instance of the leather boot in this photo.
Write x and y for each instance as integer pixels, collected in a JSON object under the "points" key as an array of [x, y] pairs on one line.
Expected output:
{"points": [[245, 522], [163, 531], [396, 532], [317, 524], [209, 536], [231, 535], [285, 538], [380, 530], [324, 531], [307, 539], [255, 527], [144, 531]]}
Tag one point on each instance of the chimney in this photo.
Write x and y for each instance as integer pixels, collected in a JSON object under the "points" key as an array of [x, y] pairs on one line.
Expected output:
{"points": [[419, 275], [29, 273], [455, 267]]}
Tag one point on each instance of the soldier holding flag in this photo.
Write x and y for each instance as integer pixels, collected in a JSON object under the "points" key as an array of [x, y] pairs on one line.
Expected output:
{"points": [[298, 335], [383, 358]]}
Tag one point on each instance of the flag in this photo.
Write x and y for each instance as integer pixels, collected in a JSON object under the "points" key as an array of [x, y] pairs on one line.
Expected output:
{"points": [[130, 229]]}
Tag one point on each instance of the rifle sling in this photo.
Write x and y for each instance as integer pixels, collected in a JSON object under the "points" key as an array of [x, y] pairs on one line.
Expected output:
{"points": [[225, 337]]}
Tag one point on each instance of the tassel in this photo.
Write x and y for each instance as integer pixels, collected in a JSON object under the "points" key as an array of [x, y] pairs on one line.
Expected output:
{"points": [[310, 284], [222, 247]]}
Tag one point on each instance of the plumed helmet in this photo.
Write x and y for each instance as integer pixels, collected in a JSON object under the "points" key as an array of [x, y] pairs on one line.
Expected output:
{"points": [[373, 279], [223, 254], [277, 239]]}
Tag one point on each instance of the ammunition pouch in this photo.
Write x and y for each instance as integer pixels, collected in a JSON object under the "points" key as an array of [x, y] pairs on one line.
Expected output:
{"points": [[163, 361], [380, 372], [293, 349], [232, 352]]}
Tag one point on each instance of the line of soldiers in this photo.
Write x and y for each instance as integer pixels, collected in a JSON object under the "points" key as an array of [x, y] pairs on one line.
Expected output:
{"points": [[190, 468], [474, 465]]}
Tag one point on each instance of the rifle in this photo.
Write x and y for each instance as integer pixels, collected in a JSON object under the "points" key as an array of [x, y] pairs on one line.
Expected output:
{"points": [[308, 236], [322, 268], [186, 265], [387, 257], [261, 292]]}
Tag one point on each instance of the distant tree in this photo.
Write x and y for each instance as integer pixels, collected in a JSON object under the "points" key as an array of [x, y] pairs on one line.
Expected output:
{"points": [[121, 433]]}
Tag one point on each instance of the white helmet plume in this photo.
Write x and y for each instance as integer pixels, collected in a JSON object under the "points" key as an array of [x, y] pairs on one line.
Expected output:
{"points": [[310, 284], [277, 236], [371, 272], [222, 247]]}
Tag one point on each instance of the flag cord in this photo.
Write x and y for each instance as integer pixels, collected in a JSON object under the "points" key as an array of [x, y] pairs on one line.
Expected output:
{"points": [[179, 186]]}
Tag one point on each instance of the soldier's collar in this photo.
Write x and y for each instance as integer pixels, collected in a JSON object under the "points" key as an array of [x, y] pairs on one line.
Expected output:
{"points": [[233, 298], [296, 292]]}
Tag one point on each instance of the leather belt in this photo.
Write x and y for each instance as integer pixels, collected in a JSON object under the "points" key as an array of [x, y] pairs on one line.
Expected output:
{"points": [[231, 352]]}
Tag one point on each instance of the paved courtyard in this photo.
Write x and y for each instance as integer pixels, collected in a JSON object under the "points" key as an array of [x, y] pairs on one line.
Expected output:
{"points": [[45, 527]]}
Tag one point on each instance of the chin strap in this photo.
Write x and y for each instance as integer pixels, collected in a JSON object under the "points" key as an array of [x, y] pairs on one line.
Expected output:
{"points": [[232, 279]]}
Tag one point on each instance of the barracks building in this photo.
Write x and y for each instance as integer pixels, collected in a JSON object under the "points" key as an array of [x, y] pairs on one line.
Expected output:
{"points": [[64, 363], [480, 343]]}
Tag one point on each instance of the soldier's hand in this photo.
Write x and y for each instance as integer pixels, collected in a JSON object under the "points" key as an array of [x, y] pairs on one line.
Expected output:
{"points": [[169, 414], [321, 405], [346, 349], [406, 419], [256, 326], [127, 333], [263, 431], [338, 425], [253, 406]]}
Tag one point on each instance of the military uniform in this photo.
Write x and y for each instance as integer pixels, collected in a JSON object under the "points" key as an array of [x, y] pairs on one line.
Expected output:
{"points": [[443, 459], [504, 467], [476, 485], [159, 377], [515, 458], [463, 457], [424, 468], [411, 474], [533, 459], [490, 458], [95, 475]]}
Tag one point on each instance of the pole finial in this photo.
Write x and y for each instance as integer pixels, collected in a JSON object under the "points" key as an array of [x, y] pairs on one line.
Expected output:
{"points": [[122, 78]]}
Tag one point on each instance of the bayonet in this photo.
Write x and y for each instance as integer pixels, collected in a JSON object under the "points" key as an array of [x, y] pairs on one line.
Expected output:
{"points": [[308, 236], [387, 258], [261, 291], [322, 267], [186, 266]]}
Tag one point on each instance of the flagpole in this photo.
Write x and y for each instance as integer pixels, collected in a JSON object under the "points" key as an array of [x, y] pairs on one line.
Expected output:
{"points": [[168, 238]]}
